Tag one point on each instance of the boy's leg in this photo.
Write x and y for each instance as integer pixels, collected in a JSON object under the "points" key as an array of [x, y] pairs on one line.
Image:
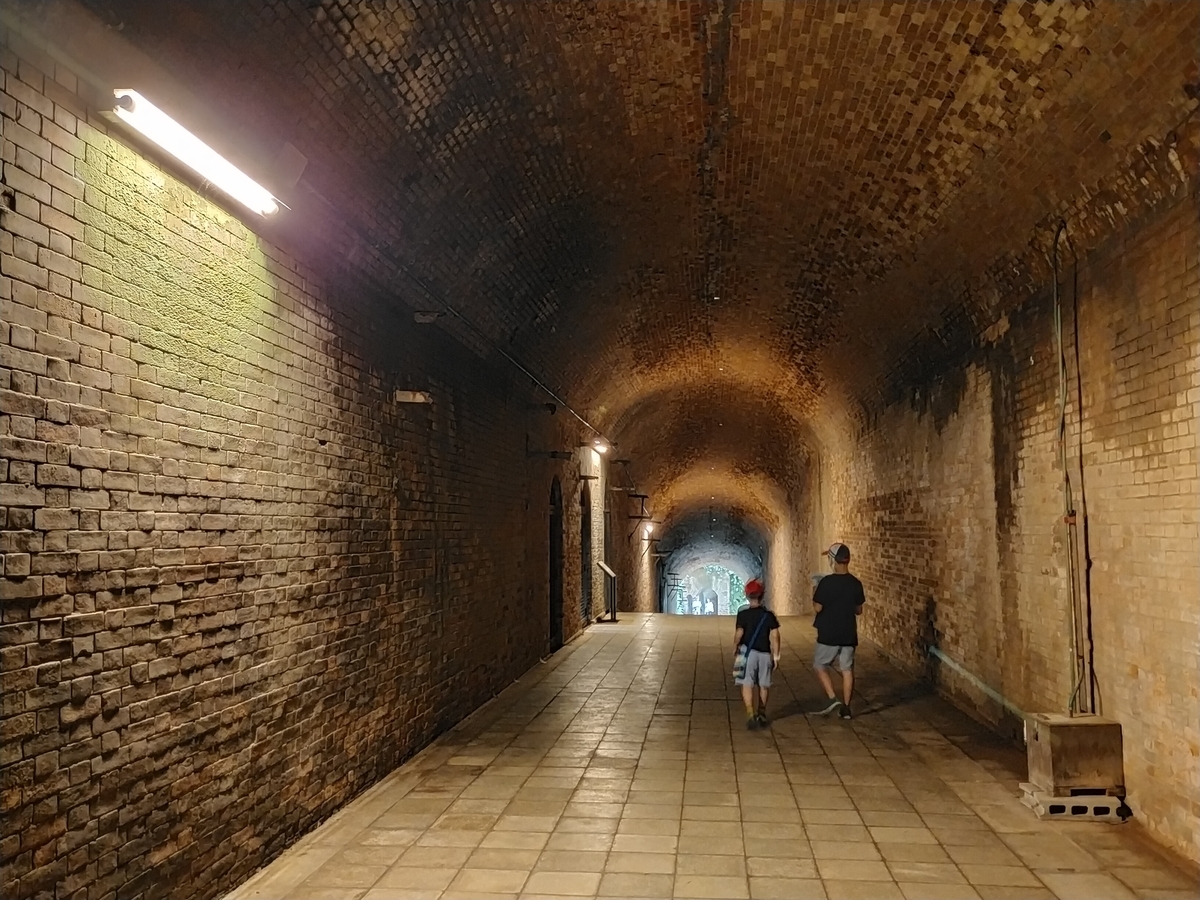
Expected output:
{"points": [[748, 698], [847, 685]]}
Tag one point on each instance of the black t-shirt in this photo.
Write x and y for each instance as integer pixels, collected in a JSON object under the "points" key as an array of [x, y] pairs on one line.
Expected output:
{"points": [[839, 596], [748, 621]]}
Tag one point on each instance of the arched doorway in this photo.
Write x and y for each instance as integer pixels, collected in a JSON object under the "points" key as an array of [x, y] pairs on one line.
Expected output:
{"points": [[585, 555], [556, 565]]}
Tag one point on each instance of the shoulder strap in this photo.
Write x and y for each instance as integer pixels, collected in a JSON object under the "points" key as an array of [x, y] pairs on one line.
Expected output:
{"points": [[762, 620]]}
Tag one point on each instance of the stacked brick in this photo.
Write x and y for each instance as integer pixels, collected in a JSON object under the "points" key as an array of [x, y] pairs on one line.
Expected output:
{"points": [[240, 584]]}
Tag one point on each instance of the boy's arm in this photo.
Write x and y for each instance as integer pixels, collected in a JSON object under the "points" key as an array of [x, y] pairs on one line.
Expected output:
{"points": [[737, 638], [775, 645]]}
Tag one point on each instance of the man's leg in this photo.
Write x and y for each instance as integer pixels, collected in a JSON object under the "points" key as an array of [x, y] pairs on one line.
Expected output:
{"points": [[830, 695], [846, 664], [826, 681], [821, 660]]}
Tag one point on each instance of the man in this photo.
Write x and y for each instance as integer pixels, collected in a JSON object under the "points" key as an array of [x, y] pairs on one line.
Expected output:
{"points": [[838, 601], [758, 630]]}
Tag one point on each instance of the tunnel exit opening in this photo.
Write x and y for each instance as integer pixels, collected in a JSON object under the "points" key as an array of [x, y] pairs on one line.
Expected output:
{"points": [[709, 589], [704, 561]]}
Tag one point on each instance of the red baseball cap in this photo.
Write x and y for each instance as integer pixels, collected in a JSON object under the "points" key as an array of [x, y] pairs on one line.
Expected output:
{"points": [[754, 588]]}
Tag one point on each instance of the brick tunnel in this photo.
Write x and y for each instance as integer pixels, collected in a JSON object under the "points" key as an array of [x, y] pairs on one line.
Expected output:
{"points": [[349, 346]]}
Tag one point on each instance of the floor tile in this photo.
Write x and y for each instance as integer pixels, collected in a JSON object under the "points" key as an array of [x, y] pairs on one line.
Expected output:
{"points": [[626, 885], [885, 834], [515, 840], [436, 857], [853, 870], [640, 863], [565, 884], [844, 850], [486, 858], [345, 875], [776, 867], [645, 843], [771, 888], [932, 891], [490, 880], [1085, 886], [1007, 876], [711, 886], [417, 877], [920, 872], [572, 861], [862, 890], [710, 864], [929, 853]]}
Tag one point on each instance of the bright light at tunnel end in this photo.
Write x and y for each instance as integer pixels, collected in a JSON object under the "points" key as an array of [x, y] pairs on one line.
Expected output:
{"points": [[648, 529], [154, 124]]}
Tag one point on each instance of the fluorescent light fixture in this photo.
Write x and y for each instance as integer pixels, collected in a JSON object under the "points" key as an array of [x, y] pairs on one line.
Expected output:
{"points": [[648, 529], [146, 118]]}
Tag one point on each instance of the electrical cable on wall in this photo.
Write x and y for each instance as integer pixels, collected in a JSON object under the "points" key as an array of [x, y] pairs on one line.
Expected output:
{"points": [[1082, 699]]}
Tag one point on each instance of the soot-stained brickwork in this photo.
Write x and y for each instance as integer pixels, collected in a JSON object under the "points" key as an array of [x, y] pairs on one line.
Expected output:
{"points": [[241, 583], [952, 501]]}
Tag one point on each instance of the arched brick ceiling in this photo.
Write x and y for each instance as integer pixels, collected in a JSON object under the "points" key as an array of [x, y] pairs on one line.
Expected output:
{"points": [[764, 199], [719, 433]]}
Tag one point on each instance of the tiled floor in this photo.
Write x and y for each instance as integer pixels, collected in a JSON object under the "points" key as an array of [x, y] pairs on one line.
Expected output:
{"points": [[622, 768]]}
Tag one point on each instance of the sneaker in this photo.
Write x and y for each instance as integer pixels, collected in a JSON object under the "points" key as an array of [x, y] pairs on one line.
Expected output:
{"points": [[844, 711], [833, 705], [763, 721], [751, 723]]}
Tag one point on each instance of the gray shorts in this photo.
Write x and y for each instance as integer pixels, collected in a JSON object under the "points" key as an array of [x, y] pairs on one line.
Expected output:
{"points": [[826, 654], [758, 669]]}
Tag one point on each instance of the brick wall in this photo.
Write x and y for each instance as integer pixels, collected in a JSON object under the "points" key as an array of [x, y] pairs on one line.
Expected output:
{"points": [[951, 499], [240, 583]]}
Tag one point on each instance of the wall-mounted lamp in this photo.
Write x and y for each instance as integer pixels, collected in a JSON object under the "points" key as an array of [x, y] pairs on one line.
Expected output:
{"points": [[600, 445], [648, 529], [412, 397], [152, 123]]}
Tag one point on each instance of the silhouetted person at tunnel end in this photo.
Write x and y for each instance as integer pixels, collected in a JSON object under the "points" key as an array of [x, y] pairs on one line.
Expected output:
{"points": [[838, 601], [758, 631]]}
